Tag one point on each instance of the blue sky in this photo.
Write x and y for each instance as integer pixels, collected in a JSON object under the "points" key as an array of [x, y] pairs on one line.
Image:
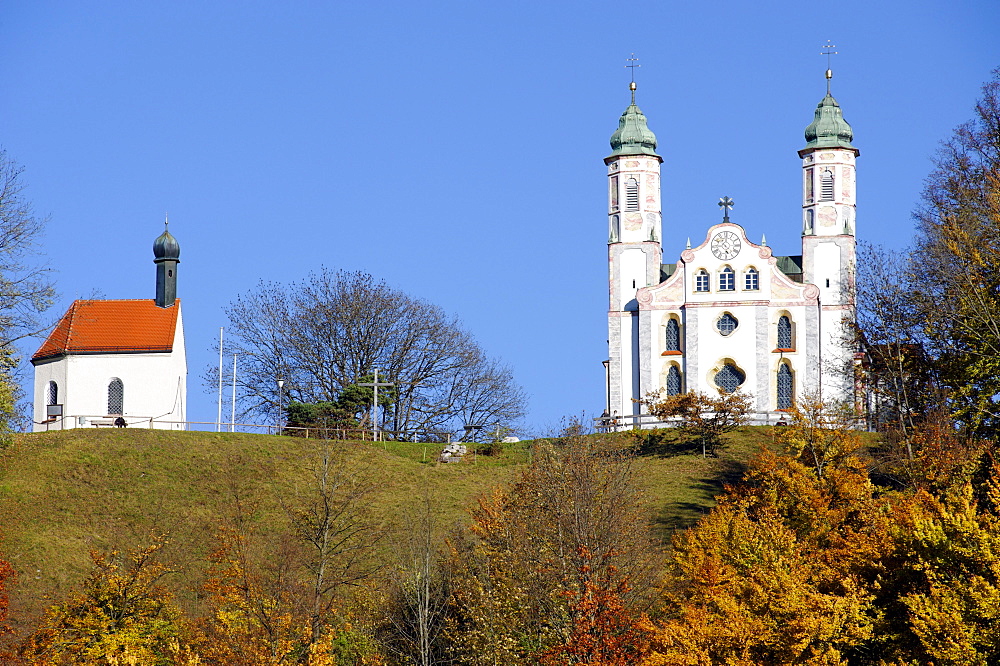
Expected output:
{"points": [[454, 149]]}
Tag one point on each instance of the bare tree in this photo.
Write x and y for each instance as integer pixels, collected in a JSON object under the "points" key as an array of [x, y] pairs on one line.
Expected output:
{"points": [[325, 333], [419, 589], [899, 376], [26, 288], [339, 534]]}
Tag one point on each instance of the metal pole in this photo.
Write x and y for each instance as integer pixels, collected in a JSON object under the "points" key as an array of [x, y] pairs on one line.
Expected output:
{"points": [[232, 415], [218, 421], [375, 409]]}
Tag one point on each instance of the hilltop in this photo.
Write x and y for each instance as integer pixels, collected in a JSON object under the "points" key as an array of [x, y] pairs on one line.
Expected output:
{"points": [[63, 494]]}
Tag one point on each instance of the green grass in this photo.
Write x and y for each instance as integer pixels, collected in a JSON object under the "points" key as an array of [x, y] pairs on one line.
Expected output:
{"points": [[63, 494]]}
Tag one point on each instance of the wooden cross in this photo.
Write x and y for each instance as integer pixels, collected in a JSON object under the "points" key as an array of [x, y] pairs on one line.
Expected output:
{"points": [[375, 384], [726, 204]]}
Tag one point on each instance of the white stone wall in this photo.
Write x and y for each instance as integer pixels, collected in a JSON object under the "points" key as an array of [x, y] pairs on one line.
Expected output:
{"points": [[752, 347], [634, 257], [155, 387], [828, 215]]}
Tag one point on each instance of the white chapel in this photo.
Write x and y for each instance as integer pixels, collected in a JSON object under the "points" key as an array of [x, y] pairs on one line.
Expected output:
{"points": [[728, 313], [111, 359]]}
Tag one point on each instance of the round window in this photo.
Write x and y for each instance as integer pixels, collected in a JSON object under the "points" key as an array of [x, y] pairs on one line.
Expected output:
{"points": [[727, 324]]}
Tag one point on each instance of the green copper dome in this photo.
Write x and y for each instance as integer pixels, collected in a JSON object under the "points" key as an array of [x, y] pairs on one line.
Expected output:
{"points": [[829, 129], [633, 137]]}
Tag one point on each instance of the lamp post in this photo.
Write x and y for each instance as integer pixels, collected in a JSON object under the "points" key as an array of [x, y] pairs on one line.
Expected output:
{"points": [[607, 393], [277, 421]]}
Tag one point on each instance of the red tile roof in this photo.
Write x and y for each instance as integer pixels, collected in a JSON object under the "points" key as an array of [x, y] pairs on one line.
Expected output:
{"points": [[108, 327]]}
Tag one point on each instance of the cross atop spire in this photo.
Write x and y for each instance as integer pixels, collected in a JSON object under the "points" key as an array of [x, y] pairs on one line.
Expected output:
{"points": [[726, 204], [632, 65], [828, 51]]}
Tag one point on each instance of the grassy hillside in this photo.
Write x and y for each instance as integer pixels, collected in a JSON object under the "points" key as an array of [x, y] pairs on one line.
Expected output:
{"points": [[63, 494]]}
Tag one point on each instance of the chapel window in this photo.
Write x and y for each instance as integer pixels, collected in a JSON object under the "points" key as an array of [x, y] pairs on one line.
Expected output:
{"points": [[673, 381], [701, 280], [752, 279], [52, 394], [785, 333], [727, 279], [809, 185], [116, 396], [729, 378], [614, 192], [785, 385], [632, 194], [727, 324], [615, 229], [826, 186], [672, 336], [810, 222]]}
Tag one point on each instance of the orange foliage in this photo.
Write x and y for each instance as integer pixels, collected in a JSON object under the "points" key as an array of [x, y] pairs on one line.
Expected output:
{"points": [[602, 631]]}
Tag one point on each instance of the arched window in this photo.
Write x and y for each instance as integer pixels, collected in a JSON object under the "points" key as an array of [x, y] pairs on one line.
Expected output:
{"points": [[632, 194], [727, 324], [826, 186], [52, 394], [116, 397], [727, 279], [615, 229], [785, 333], [810, 222], [673, 381], [729, 378], [752, 279], [672, 336], [785, 385], [701, 280]]}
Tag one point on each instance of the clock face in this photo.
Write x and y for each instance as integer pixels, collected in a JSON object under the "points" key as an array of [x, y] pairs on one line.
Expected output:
{"points": [[725, 245]]}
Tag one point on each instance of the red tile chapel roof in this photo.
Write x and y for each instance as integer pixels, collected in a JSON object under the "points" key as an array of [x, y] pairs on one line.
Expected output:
{"points": [[109, 327]]}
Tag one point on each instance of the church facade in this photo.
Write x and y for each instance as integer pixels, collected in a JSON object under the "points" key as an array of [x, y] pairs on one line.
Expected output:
{"points": [[728, 314], [117, 359]]}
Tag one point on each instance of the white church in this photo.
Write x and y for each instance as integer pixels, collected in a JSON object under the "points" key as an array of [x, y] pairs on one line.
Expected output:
{"points": [[729, 314], [117, 359]]}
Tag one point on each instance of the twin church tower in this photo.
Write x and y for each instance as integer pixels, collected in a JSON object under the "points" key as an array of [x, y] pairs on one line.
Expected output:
{"points": [[728, 314]]}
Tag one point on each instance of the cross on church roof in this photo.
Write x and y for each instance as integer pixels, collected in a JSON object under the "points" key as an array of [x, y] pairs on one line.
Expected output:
{"points": [[828, 51], [726, 204], [632, 65]]}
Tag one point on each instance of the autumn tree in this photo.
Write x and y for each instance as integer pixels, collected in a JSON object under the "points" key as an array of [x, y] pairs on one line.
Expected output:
{"points": [[251, 593], [324, 334], [275, 592], [557, 565], [702, 418], [819, 435], [956, 264], [7, 577], [771, 575], [122, 614]]}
